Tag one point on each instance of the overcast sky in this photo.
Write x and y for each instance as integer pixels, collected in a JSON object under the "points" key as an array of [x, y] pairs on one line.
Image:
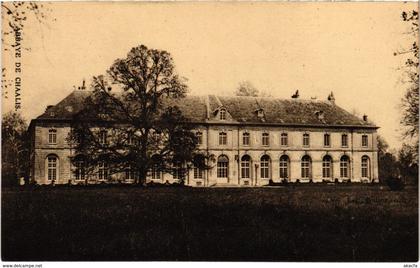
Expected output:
{"points": [[317, 48]]}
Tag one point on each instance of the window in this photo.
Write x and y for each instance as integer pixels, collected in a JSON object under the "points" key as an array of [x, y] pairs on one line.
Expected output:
{"points": [[364, 141], [344, 140], [245, 138], [103, 137], [131, 173], [265, 139], [52, 136], [199, 136], [52, 167], [222, 114], [222, 166], [327, 167], [344, 166], [245, 167], [365, 167], [155, 170], [265, 167], [306, 167], [306, 140], [198, 173], [284, 139], [284, 167], [156, 174], [103, 171], [80, 171], [177, 171], [327, 140], [222, 138]]}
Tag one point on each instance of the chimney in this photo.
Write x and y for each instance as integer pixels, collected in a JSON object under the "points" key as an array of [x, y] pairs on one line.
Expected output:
{"points": [[365, 118], [83, 85], [296, 95], [331, 98]]}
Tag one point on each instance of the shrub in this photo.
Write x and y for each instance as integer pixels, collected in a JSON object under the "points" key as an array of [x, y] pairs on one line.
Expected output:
{"points": [[395, 183]]}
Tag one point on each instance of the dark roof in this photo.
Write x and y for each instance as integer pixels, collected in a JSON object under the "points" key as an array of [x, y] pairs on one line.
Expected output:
{"points": [[241, 109]]}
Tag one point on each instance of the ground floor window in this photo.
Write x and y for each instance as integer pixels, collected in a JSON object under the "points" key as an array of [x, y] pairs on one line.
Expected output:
{"points": [[52, 167], [198, 173], [344, 166], [103, 172], [265, 167], [222, 166], [284, 167], [306, 167], [365, 167], [327, 167], [245, 167], [80, 171]]}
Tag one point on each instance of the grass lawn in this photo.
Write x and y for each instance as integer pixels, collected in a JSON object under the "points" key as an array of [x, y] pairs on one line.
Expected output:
{"points": [[302, 223]]}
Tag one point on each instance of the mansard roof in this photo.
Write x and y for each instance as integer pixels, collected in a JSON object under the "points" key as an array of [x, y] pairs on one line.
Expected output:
{"points": [[200, 109]]}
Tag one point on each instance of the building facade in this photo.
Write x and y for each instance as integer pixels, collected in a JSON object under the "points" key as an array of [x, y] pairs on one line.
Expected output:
{"points": [[250, 141]]}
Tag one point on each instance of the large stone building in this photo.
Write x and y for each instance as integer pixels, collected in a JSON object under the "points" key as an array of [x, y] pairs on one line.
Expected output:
{"points": [[251, 140]]}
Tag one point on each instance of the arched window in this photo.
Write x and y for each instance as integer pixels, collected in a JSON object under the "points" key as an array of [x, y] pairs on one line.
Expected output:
{"points": [[344, 166], [155, 170], [222, 166], [52, 136], [80, 165], [246, 167], [306, 167], [131, 173], [365, 167], [265, 139], [284, 139], [327, 167], [52, 168], [222, 138], [265, 167], [284, 167], [103, 171], [222, 114], [245, 138]]}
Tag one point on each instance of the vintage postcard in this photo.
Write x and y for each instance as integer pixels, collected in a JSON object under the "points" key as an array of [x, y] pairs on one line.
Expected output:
{"points": [[209, 131]]}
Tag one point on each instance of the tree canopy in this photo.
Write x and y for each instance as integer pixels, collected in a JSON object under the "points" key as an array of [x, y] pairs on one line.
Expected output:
{"points": [[129, 120]]}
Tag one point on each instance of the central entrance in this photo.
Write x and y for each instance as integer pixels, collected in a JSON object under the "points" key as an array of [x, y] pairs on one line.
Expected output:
{"points": [[223, 169]]}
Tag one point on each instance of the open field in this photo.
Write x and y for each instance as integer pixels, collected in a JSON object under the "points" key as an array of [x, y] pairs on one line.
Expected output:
{"points": [[302, 223]]}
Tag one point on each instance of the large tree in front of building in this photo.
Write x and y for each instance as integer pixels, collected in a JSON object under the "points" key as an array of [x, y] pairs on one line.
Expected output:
{"points": [[131, 121]]}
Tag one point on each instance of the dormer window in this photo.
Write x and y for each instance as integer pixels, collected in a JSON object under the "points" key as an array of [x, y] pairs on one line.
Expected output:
{"points": [[260, 113], [222, 114], [52, 136]]}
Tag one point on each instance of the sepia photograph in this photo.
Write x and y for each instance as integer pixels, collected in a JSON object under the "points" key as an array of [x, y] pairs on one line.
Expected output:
{"points": [[210, 131]]}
